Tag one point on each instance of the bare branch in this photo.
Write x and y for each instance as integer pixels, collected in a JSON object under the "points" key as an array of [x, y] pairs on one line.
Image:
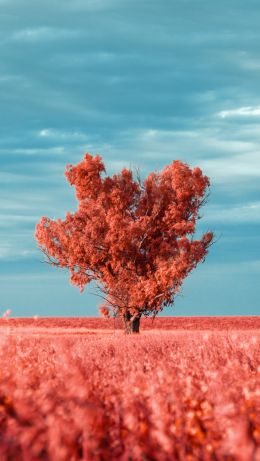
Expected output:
{"points": [[137, 173], [105, 299], [103, 290]]}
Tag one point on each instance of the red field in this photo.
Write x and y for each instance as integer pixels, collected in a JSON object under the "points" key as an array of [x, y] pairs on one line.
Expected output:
{"points": [[79, 389], [162, 323]]}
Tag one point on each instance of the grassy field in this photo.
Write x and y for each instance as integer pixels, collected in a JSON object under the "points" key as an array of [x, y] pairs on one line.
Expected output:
{"points": [[80, 389]]}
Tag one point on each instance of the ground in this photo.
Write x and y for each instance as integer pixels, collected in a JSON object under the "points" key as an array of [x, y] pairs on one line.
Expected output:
{"points": [[80, 389]]}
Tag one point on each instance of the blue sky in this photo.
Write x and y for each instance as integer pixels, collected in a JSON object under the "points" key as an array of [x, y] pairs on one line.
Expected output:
{"points": [[140, 83]]}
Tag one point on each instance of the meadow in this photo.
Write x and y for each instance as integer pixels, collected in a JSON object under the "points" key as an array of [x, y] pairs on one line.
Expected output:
{"points": [[80, 389]]}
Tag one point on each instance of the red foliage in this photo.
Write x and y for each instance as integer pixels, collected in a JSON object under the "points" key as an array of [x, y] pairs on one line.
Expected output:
{"points": [[184, 396], [130, 237], [104, 311]]}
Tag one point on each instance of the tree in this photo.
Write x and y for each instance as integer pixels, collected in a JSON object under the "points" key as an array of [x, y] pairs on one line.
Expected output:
{"points": [[134, 239]]}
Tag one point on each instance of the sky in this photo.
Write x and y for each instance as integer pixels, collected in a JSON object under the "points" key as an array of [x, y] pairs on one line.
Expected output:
{"points": [[141, 83]]}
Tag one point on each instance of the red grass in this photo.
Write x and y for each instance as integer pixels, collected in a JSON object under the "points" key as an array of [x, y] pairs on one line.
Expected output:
{"points": [[164, 323], [162, 395]]}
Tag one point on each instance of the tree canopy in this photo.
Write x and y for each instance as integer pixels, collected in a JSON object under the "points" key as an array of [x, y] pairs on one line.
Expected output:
{"points": [[134, 238]]}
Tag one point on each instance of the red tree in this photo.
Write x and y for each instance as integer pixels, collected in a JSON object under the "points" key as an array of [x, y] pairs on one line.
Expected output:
{"points": [[134, 239]]}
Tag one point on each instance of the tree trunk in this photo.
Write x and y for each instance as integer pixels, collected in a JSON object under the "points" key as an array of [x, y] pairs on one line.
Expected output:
{"points": [[132, 323], [135, 325]]}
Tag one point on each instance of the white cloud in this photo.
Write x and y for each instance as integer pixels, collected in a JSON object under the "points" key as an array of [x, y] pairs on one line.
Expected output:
{"points": [[7, 78], [11, 252], [5, 250], [203, 142], [40, 151], [244, 167], [241, 267], [14, 204], [248, 111], [116, 165], [251, 64], [80, 59], [93, 5], [246, 60], [59, 134], [247, 213], [8, 178], [44, 33], [28, 276], [45, 133], [223, 156], [8, 220]]}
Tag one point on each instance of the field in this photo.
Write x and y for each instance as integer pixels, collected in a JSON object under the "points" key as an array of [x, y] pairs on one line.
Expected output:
{"points": [[80, 389]]}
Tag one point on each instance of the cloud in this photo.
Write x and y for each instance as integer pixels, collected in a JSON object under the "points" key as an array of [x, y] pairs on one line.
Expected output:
{"points": [[10, 219], [10, 252], [64, 135], [39, 151], [248, 61], [17, 243], [235, 168], [94, 5], [9, 204], [203, 141], [212, 270], [232, 215], [44, 33], [113, 166], [50, 277], [228, 158], [241, 112]]}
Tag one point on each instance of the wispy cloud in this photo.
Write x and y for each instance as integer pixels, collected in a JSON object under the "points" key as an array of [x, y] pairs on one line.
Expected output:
{"points": [[94, 5], [61, 134], [244, 167], [222, 155], [38, 151], [213, 269], [248, 61], [243, 213], [9, 219], [44, 33], [203, 141], [249, 111], [13, 253]]}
